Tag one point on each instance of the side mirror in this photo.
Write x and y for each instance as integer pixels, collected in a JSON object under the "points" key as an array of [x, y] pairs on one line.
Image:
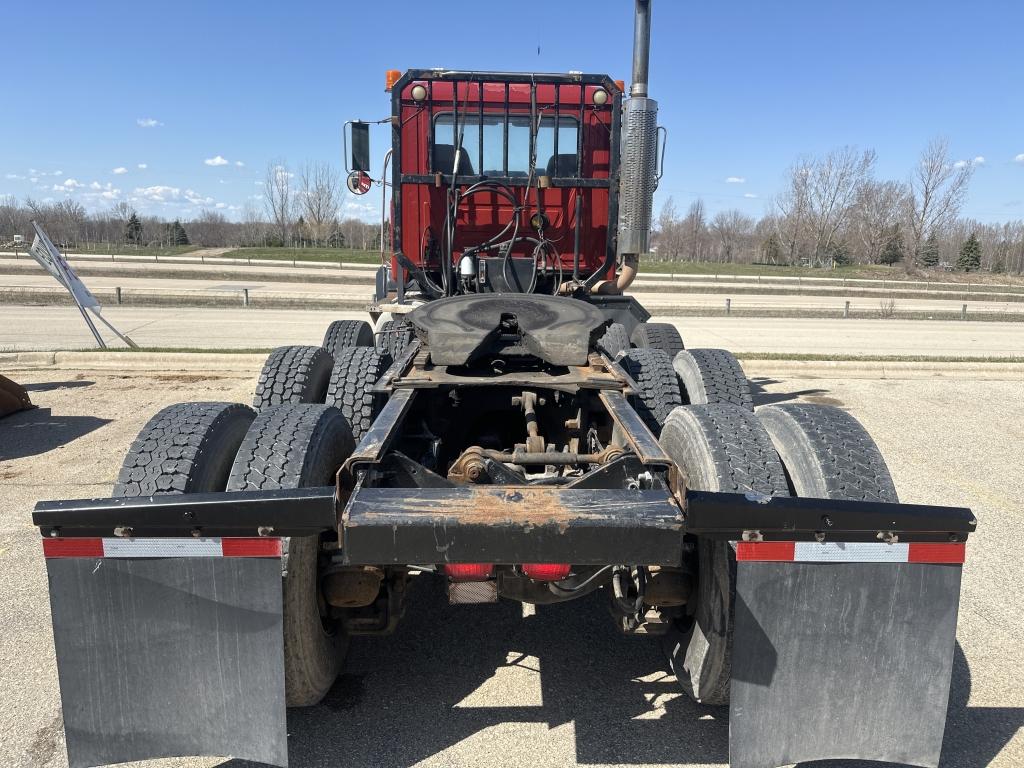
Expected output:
{"points": [[359, 160]]}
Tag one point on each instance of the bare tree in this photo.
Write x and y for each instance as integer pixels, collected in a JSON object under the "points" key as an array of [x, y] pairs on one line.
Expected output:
{"points": [[734, 231], [833, 183], [319, 197], [696, 230], [793, 206], [669, 236], [879, 207], [278, 198], [938, 188]]}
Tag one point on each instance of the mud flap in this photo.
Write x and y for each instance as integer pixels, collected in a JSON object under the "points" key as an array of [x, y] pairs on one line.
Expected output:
{"points": [[842, 651], [169, 647]]}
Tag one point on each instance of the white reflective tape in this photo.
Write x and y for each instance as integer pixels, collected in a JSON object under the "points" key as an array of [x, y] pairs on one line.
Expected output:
{"points": [[162, 548], [850, 552]]}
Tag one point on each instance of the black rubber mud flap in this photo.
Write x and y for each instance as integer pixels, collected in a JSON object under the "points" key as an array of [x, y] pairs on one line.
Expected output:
{"points": [[842, 651], [169, 656]]}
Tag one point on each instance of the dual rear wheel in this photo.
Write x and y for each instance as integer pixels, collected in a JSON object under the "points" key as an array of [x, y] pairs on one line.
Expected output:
{"points": [[779, 450], [213, 447]]}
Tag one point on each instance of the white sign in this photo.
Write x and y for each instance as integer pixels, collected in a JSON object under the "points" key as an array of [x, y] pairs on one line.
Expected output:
{"points": [[46, 253]]}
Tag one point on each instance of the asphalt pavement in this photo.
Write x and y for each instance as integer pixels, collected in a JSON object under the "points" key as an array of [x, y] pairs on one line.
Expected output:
{"points": [[496, 685]]}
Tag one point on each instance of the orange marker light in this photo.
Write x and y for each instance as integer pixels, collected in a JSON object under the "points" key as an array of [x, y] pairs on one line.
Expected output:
{"points": [[391, 77], [621, 85]]}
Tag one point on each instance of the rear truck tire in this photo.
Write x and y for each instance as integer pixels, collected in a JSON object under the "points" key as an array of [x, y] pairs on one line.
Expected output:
{"points": [[356, 370], [658, 391], [347, 333], [663, 336], [393, 338], [298, 445], [712, 376], [297, 374], [827, 453], [717, 447], [614, 341], [185, 448]]}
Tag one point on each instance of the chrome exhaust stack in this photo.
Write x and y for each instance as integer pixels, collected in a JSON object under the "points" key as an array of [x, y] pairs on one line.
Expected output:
{"points": [[638, 169]]}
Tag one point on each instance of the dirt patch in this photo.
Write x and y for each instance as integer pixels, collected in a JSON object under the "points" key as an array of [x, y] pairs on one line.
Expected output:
{"points": [[185, 378], [44, 744]]}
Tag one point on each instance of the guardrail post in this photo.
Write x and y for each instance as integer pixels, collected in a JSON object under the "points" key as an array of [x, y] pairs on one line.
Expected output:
{"points": [[963, 312], [117, 292], [846, 310], [245, 297], [728, 306]]}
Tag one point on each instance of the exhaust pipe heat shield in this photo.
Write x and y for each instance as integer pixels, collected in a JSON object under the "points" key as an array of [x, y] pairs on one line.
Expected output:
{"points": [[840, 659], [167, 656]]}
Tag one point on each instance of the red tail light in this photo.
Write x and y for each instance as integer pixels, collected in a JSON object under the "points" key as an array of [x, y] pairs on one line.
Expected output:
{"points": [[469, 571], [546, 571]]}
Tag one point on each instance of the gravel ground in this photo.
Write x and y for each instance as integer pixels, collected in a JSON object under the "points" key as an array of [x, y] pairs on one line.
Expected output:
{"points": [[490, 686]]}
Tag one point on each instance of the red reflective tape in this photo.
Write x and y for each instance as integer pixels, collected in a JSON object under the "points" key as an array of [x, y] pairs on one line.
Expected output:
{"points": [[767, 551], [929, 552], [73, 547], [251, 547]]}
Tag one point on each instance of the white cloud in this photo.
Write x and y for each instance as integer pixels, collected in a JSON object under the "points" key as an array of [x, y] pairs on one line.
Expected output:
{"points": [[218, 160], [750, 195], [736, 180], [119, 170], [959, 163], [225, 205], [1019, 158], [69, 185], [14, 176], [148, 122], [240, 164], [979, 160], [142, 166], [158, 193], [95, 185]]}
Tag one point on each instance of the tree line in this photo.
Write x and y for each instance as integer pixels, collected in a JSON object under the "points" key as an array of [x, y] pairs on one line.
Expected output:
{"points": [[832, 210], [297, 210]]}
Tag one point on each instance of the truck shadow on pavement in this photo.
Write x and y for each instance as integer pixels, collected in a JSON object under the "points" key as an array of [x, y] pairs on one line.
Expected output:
{"points": [[405, 698], [38, 431], [763, 397]]}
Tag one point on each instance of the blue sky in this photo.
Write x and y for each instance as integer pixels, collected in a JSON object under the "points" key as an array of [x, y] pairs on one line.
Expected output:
{"points": [[179, 106]]}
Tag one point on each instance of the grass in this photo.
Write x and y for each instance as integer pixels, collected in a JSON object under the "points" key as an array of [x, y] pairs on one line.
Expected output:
{"points": [[849, 272], [350, 255], [132, 250]]}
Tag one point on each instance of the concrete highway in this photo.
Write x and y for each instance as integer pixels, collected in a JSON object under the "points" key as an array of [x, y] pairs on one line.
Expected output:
{"points": [[496, 686], [61, 327]]}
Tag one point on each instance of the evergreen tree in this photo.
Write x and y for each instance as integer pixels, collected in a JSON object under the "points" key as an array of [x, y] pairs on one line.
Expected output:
{"points": [[178, 234], [894, 249], [771, 250], [133, 229], [930, 252], [839, 253], [970, 254]]}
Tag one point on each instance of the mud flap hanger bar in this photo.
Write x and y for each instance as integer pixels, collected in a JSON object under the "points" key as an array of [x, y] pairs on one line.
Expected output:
{"points": [[756, 517], [300, 512], [651, 515]]}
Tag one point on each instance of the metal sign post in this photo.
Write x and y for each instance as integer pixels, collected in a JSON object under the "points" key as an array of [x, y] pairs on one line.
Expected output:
{"points": [[45, 252]]}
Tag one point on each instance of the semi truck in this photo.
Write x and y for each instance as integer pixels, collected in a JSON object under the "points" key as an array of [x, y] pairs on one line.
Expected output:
{"points": [[513, 424]]}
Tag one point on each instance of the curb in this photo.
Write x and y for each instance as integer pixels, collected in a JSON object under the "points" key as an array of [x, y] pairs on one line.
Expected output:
{"points": [[892, 370], [251, 363]]}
